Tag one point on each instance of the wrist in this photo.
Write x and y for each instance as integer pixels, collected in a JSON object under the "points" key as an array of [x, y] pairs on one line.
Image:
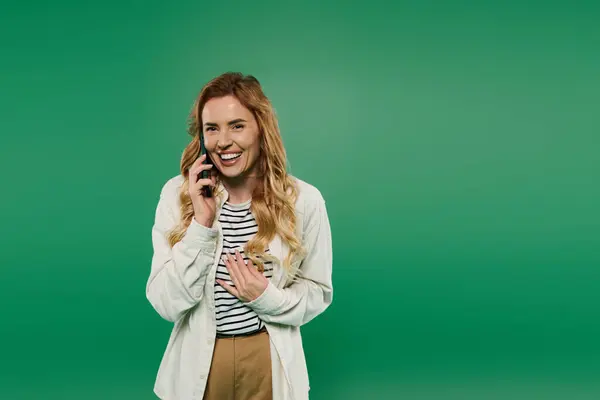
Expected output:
{"points": [[198, 231], [203, 221], [269, 300]]}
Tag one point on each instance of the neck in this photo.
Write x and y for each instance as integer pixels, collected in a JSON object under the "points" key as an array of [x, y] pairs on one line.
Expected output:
{"points": [[239, 189]]}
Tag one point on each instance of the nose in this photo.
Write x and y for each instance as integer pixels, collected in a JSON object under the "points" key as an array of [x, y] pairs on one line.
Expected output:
{"points": [[224, 139]]}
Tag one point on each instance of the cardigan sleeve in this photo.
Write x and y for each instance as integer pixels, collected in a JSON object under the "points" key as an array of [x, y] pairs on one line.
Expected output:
{"points": [[178, 274], [312, 292]]}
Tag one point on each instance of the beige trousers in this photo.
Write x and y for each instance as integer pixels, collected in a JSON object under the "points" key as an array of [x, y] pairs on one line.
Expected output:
{"points": [[240, 369]]}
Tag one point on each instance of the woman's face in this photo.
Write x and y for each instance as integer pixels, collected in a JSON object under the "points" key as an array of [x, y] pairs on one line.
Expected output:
{"points": [[231, 136]]}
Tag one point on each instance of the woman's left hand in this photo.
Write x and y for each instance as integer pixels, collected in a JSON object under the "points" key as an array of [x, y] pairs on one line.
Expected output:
{"points": [[249, 283]]}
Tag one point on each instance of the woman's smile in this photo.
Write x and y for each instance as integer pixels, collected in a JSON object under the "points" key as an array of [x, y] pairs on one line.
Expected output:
{"points": [[229, 158]]}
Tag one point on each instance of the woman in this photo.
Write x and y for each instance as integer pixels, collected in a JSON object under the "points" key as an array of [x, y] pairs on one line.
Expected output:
{"points": [[240, 271]]}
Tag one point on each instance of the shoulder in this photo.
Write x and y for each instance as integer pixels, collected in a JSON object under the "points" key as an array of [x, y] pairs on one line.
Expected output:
{"points": [[310, 199], [169, 192], [175, 182], [306, 191]]}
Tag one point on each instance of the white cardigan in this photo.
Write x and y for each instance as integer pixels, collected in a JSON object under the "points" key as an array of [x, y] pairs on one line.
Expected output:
{"points": [[181, 290]]}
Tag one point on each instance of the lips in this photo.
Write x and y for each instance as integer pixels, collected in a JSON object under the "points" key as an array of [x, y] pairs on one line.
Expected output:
{"points": [[229, 156]]}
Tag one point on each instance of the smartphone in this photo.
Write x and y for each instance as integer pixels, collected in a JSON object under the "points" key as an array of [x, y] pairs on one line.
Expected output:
{"points": [[206, 190]]}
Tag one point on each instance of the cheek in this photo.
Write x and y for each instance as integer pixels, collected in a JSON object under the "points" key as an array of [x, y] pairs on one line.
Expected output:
{"points": [[210, 143], [256, 147], [255, 143], [253, 152], [249, 142]]}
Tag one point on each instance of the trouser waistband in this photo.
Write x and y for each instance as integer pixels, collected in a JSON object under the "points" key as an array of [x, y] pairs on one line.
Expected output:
{"points": [[233, 335]]}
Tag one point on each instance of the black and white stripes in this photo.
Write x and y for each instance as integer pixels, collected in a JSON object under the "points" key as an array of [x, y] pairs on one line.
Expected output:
{"points": [[239, 226]]}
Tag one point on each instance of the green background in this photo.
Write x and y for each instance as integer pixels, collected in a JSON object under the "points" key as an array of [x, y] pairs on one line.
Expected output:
{"points": [[456, 143]]}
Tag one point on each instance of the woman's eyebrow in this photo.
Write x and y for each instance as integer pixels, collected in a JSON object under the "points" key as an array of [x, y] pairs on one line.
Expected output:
{"points": [[233, 121]]}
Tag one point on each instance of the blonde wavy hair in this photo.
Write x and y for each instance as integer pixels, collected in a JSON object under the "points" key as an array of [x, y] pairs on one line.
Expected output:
{"points": [[273, 199]]}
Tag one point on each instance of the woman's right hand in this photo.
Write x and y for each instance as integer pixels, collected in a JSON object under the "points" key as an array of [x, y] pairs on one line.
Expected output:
{"points": [[204, 207]]}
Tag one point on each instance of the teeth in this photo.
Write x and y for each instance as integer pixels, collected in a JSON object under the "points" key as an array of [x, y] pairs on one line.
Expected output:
{"points": [[230, 156]]}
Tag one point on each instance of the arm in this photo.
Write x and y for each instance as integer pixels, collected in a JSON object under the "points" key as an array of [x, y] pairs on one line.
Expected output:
{"points": [[312, 293], [178, 274]]}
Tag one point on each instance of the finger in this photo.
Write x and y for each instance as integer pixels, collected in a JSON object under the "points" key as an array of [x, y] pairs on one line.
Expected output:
{"points": [[233, 271], [198, 189], [198, 169], [252, 269], [194, 176], [232, 277], [229, 288], [239, 268], [203, 182], [202, 167], [241, 264], [200, 161], [197, 162]]}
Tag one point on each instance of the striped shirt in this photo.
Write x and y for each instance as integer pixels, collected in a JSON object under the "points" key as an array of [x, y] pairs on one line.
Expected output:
{"points": [[239, 226]]}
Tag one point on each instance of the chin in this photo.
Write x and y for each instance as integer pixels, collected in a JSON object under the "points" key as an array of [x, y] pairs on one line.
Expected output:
{"points": [[230, 172]]}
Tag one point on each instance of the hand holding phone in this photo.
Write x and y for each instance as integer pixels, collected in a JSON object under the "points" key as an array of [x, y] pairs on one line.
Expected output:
{"points": [[200, 188], [204, 207]]}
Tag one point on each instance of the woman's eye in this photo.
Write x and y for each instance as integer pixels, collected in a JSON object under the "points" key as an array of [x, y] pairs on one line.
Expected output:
{"points": [[210, 129], [238, 126]]}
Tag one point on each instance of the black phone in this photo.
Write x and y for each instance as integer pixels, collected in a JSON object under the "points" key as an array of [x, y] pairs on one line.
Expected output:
{"points": [[206, 190]]}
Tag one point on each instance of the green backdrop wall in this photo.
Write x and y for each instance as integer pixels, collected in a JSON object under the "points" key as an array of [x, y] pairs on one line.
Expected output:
{"points": [[456, 143]]}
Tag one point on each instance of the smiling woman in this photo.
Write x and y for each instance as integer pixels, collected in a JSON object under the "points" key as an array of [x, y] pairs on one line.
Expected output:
{"points": [[232, 137], [240, 271]]}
